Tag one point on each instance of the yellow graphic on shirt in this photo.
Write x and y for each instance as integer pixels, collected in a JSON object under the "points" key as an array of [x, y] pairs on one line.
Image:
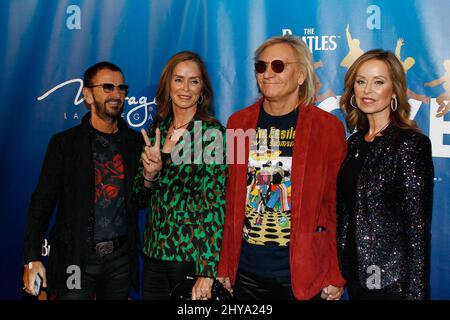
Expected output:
{"points": [[265, 155]]}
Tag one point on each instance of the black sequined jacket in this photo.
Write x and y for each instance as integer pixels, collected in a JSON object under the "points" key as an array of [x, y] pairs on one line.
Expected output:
{"points": [[393, 212]]}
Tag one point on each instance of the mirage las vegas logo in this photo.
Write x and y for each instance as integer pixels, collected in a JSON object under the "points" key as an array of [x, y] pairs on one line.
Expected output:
{"points": [[141, 108]]}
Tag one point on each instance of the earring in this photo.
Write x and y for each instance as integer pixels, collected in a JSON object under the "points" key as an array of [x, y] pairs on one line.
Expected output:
{"points": [[200, 100], [351, 102], [170, 99], [395, 105]]}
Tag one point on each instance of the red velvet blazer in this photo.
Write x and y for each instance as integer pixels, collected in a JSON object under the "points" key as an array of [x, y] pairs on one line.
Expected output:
{"points": [[319, 148]]}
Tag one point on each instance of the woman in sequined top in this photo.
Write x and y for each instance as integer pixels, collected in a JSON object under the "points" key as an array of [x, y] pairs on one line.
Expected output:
{"points": [[385, 186], [182, 180]]}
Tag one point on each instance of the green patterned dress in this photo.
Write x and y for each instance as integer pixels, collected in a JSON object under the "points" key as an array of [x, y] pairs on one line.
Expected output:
{"points": [[187, 206]]}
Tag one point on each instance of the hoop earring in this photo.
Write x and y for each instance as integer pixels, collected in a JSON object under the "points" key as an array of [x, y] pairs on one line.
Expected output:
{"points": [[351, 102], [395, 105], [200, 100]]}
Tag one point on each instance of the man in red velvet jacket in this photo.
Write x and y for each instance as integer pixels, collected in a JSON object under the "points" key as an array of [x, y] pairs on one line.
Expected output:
{"points": [[280, 226]]}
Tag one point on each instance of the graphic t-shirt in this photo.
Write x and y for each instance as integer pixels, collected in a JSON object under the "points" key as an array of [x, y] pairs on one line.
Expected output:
{"points": [[265, 249], [109, 186]]}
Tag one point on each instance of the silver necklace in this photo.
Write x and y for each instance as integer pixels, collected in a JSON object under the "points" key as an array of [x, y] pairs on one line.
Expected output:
{"points": [[374, 135]]}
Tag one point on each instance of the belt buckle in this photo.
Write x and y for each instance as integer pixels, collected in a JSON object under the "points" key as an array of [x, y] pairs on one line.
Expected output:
{"points": [[104, 248]]}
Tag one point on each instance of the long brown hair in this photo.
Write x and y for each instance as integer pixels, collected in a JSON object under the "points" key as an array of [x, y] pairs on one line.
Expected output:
{"points": [[358, 120], [163, 93]]}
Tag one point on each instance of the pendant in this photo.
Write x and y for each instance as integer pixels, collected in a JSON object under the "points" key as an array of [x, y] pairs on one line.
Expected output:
{"points": [[176, 134]]}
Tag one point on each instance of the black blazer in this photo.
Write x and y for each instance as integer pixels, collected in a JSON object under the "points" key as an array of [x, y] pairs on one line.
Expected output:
{"points": [[393, 211], [66, 183]]}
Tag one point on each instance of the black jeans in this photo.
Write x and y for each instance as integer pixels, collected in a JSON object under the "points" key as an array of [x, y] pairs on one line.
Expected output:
{"points": [[159, 277], [105, 278], [249, 286]]}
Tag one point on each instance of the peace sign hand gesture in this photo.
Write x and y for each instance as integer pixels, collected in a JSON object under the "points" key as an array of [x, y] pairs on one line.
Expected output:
{"points": [[151, 156]]}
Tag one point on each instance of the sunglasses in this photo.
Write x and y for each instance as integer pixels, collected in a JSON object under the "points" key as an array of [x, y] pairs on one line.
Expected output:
{"points": [[276, 65], [109, 87]]}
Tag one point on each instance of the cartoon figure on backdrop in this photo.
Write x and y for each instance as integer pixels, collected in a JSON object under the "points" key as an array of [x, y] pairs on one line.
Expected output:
{"points": [[354, 49], [327, 94], [443, 99], [407, 64]]}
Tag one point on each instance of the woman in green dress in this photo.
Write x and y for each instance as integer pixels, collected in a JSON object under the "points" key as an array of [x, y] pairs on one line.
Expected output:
{"points": [[182, 180]]}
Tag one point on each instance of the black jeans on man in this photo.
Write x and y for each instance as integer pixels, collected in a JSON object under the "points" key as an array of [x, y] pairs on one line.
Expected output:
{"points": [[104, 278], [249, 286]]}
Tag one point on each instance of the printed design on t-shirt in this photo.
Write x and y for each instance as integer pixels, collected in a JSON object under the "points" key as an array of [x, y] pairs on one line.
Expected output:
{"points": [[268, 204], [109, 177]]}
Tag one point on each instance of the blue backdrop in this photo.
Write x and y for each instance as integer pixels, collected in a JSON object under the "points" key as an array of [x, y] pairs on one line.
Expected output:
{"points": [[48, 44]]}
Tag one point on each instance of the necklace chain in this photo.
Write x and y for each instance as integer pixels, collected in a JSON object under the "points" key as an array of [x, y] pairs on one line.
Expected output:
{"points": [[175, 135], [379, 131], [181, 126], [374, 135]]}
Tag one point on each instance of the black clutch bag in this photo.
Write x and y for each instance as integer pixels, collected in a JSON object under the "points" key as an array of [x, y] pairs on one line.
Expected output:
{"points": [[183, 290]]}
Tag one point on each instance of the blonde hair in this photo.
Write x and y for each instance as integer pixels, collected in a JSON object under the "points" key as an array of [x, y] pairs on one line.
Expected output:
{"points": [[307, 91]]}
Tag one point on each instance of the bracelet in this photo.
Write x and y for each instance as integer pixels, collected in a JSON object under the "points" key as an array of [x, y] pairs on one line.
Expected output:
{"points": [[156, 178]]}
